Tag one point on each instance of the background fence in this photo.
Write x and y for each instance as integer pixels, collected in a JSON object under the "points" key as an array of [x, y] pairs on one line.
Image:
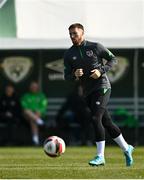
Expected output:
{"points": [[22, 66]]}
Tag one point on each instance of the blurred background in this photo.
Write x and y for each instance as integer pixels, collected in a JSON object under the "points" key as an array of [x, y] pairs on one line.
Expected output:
{"points": [[33, 38]]}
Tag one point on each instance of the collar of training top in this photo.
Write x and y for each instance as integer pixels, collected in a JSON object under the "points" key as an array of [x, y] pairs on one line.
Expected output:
{"points": [[83, 43]]}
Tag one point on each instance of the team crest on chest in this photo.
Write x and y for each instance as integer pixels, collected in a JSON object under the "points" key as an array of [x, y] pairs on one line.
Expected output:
{"points": [[89, 53]]}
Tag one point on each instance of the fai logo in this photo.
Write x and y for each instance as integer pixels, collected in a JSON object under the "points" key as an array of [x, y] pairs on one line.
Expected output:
{"points": [[89, 53], [119, 70], [16, 68], [74, 57]]}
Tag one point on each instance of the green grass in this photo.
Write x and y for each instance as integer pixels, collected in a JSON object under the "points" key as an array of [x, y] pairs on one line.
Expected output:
{"points": [[32, 163]]}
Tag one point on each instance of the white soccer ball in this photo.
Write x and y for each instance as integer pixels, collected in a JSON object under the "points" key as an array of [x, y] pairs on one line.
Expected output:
{"points": [[54, 146]]}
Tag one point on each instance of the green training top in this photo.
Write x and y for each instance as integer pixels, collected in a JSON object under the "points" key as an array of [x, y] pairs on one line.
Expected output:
{"points": [[35, 102]]}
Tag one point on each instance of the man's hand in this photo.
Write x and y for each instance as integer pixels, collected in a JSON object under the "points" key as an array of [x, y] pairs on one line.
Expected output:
{"points": [[95, 74], [78, 73]]}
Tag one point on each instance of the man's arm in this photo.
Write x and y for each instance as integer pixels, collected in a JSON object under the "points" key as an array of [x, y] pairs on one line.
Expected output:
{"points": [[108, 56], [24, 101], [43, 104], [68, 71]]}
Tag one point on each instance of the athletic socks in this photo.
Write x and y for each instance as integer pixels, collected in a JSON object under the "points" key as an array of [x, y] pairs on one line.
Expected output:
{"points": [[40, 121], [35, 139], [121, 142], [100, 148]]}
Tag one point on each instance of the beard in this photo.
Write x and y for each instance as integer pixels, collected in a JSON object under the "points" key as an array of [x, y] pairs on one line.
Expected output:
{"points": [[77, 41]]}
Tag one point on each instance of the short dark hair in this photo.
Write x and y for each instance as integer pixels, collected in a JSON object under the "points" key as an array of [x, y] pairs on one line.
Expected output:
{"points": [[76, 25]]}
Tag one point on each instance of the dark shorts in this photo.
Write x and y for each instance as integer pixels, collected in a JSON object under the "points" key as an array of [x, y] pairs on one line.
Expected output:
{"points": [[97, 100]]}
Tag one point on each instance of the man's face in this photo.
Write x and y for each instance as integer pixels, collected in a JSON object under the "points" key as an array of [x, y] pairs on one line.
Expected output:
{"points": [[76, 35], [9, 91], [34, 87]]}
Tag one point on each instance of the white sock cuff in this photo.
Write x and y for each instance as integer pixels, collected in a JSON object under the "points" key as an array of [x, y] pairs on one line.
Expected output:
{"points": [[120, 136], [100, 148], [100, 142], [121, 142]]}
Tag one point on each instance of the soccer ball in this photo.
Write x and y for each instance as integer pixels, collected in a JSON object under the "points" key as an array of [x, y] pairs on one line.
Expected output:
{"points": [[54, 146]]}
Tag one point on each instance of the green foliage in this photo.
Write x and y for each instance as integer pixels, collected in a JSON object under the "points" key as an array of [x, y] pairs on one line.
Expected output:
{"points": [[32, 163]]}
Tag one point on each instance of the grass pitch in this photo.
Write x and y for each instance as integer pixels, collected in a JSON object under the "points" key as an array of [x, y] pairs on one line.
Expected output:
{"points": [[33, 163]]}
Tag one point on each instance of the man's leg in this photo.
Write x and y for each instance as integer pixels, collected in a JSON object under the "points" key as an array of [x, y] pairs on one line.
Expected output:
{"points": [[31, 115], [117, 136], [99, 138], [34, 122], [35, 132], [95, 102]]}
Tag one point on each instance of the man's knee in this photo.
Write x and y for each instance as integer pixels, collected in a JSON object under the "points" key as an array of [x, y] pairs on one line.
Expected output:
{"points": [[29, 114], [98, 113]]}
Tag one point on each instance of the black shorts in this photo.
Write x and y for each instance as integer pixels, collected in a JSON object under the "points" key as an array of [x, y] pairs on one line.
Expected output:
{"points": [[97, 100]]}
